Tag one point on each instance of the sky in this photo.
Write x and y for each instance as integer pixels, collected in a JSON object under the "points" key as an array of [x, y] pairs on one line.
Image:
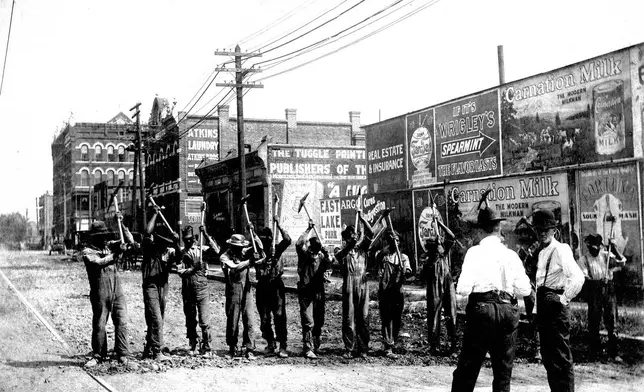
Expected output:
{"points": [[87, 60]]}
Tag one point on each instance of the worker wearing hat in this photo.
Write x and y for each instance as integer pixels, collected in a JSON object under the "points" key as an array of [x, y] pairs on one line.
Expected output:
{"points": [[493, 277], [559, 279], [194, 289], [598, 267], [235, 263], [106, 293]]}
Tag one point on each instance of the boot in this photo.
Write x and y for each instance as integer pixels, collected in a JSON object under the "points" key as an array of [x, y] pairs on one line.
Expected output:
{"points": [[205, 341], [270, 348], [316, 344], [193, 345]]}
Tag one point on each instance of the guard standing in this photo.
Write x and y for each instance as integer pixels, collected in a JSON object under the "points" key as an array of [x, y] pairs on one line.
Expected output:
{"points": [[493, 277], [559, 280]]}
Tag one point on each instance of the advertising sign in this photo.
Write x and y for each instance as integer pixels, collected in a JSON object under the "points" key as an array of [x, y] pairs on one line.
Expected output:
{"points": [[430, 205], [202, 143], [637, 83], [386, 164], [421, 147], [577, 114], [609, 206], [467, 138]]}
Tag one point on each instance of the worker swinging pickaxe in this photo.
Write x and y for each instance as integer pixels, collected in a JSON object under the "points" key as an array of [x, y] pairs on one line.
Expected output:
{"points": [[244, 201], [156, 207], [303, 205]]}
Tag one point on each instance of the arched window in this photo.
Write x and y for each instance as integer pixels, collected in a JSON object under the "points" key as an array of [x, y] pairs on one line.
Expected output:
{"points": [[98, 177], [84, 153], [121, 154], [110, 154], [98, 153], [121, 176], [110, 177], [84, 177]]}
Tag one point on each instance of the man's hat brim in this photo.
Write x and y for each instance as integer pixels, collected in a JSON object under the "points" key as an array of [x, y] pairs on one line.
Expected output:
{"points": [[236, 243]]}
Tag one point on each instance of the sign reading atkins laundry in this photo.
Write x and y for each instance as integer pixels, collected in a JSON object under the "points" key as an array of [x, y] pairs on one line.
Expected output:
{"points": [[578, 114], [386, 166], [467, 138], [202, 143], [421, 157], [609, 206]]}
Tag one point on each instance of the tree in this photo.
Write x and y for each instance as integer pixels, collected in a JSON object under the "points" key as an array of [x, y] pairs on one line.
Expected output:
{"points": [[13, 228], [557, 120]]}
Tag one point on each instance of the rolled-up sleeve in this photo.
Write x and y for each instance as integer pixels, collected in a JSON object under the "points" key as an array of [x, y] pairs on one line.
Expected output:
{"points": [[572, 272], [520, 281], [468, 273]]}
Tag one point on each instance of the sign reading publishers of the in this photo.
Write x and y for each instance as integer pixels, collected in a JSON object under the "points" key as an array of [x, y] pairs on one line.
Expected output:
{"points": [[467, 138]]}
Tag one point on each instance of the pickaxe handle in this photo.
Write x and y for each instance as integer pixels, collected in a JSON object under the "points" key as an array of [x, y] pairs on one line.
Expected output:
{"points": [[314, 228], [120, 219], [250, 227], [160, 214], [201, 235], [391, 227], [275, 207]]}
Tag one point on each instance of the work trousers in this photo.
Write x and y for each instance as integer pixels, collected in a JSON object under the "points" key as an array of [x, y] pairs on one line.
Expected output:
{"points": [[602, 303], [239, 299], [441, 294], [355, 313], [490, 327], [391, 303], [154, 292], [311, 299], [196, 301], [106, 296], [553, 322], [271, 304]]}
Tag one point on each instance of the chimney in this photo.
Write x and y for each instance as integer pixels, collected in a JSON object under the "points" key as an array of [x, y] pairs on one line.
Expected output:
{"points": [[226, 140], [357, 133], [291, 122]]}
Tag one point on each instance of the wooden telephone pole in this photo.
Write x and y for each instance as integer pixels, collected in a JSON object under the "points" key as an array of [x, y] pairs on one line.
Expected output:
{"points": [[239, 85]]}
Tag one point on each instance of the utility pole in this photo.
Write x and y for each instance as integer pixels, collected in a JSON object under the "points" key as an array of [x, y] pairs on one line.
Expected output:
{"points": [[138, 154], [239, 85], [499, 50]]}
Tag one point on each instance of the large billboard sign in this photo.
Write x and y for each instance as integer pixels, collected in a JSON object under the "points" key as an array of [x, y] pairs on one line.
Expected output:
{"points": [[468, 138], [386, 166], [421, 155], [577, 114], [202, 143], [609, 205]]}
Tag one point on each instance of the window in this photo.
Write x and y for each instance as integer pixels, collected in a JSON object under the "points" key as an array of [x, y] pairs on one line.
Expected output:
{"points": [[121, 176], [130, 177], [121, 154], [84, 153], [98, 177], [110, 177], [84, 177], [98, 153], [110, 153]]}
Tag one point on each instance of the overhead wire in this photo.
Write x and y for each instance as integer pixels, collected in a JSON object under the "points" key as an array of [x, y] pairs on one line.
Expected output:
{"points": [[6, 52], [204, 117], [201, 96]]}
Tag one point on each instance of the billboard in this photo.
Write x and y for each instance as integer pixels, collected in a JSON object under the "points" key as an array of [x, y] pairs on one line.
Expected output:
{"points": [[578, 114], [468, 138], [421, 156], [385, 144], [609, 205], [202, 143]]}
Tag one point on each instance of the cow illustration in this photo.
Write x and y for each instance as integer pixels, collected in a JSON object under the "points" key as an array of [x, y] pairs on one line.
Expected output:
{"points": [[608, 209]]}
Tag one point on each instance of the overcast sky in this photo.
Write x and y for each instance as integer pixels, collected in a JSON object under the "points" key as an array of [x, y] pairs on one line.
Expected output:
{"points": [[95, 58]]}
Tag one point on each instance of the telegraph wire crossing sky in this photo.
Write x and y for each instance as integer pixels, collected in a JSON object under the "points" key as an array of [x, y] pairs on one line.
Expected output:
{"points": [[79, 60]]}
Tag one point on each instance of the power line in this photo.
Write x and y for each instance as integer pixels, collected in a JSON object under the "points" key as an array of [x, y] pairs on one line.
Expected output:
{"points": [[203, 118], [409, 14], [202, 86], [6, 53], [202, 94]]}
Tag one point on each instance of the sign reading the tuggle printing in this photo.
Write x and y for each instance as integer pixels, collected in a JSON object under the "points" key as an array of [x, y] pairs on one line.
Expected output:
{"points": [[577, 114], [386, 166], [421, 158], [609, 206], [467, 138], [289, 162]]}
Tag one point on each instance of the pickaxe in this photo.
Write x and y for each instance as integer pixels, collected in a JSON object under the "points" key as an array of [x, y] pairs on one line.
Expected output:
{"points": [[276, 200], [358, 207], [115, 200], [154, 204], [391, 227], [302, 201], [244, 201], [201, 235]]}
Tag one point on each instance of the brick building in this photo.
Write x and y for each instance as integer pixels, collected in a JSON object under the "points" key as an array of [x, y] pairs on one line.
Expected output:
{"points": [[45, 214], [86, 154]]}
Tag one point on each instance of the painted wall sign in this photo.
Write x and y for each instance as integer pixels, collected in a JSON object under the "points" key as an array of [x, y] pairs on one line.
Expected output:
{"points": [[609, 206], [202, 143], [577, 114], [385, 143], [468, 138], [421, 157]]}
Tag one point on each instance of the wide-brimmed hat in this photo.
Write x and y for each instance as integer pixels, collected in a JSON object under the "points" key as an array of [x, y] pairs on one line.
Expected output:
{"points": [[487, 217], [593, 240], [98, 228], [237, 240], [186, 233], [544, 219]]}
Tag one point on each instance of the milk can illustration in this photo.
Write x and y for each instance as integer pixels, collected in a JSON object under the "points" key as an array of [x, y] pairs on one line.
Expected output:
{"points": [[608, 105]]}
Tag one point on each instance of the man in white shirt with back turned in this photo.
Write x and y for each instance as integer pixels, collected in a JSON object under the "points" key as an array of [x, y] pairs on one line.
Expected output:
{"points": [[492, 276]]}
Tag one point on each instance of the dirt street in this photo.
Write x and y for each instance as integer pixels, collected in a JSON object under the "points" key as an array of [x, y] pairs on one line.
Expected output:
{"points": [[32, 359]]}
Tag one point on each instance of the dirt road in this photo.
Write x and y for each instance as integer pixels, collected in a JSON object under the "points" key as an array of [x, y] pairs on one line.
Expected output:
{"points": [[32, 359]]}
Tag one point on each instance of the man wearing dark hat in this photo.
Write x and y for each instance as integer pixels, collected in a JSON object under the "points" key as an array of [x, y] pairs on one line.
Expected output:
{"points": [[492, 276], [194, 289], [271, 297], [355, 291], [312, 263], [391, 275], [235, 263], [559, 280], [598, 267], [106, 293]]}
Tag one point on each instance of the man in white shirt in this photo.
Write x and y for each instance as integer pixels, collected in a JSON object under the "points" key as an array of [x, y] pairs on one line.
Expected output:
{"points": [[559, 280], [598, 267], [492, 276]]}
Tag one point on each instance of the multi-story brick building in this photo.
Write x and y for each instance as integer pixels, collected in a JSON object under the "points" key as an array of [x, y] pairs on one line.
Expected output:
{"points": [[181, 144], [86, 154], [45, 215]]}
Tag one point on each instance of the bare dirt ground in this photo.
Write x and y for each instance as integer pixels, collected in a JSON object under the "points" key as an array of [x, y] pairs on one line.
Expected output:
{"points": [[31, 359]]}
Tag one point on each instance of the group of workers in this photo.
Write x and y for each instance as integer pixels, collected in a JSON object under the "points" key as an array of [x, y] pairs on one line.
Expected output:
{"points": [[493, 277]]}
